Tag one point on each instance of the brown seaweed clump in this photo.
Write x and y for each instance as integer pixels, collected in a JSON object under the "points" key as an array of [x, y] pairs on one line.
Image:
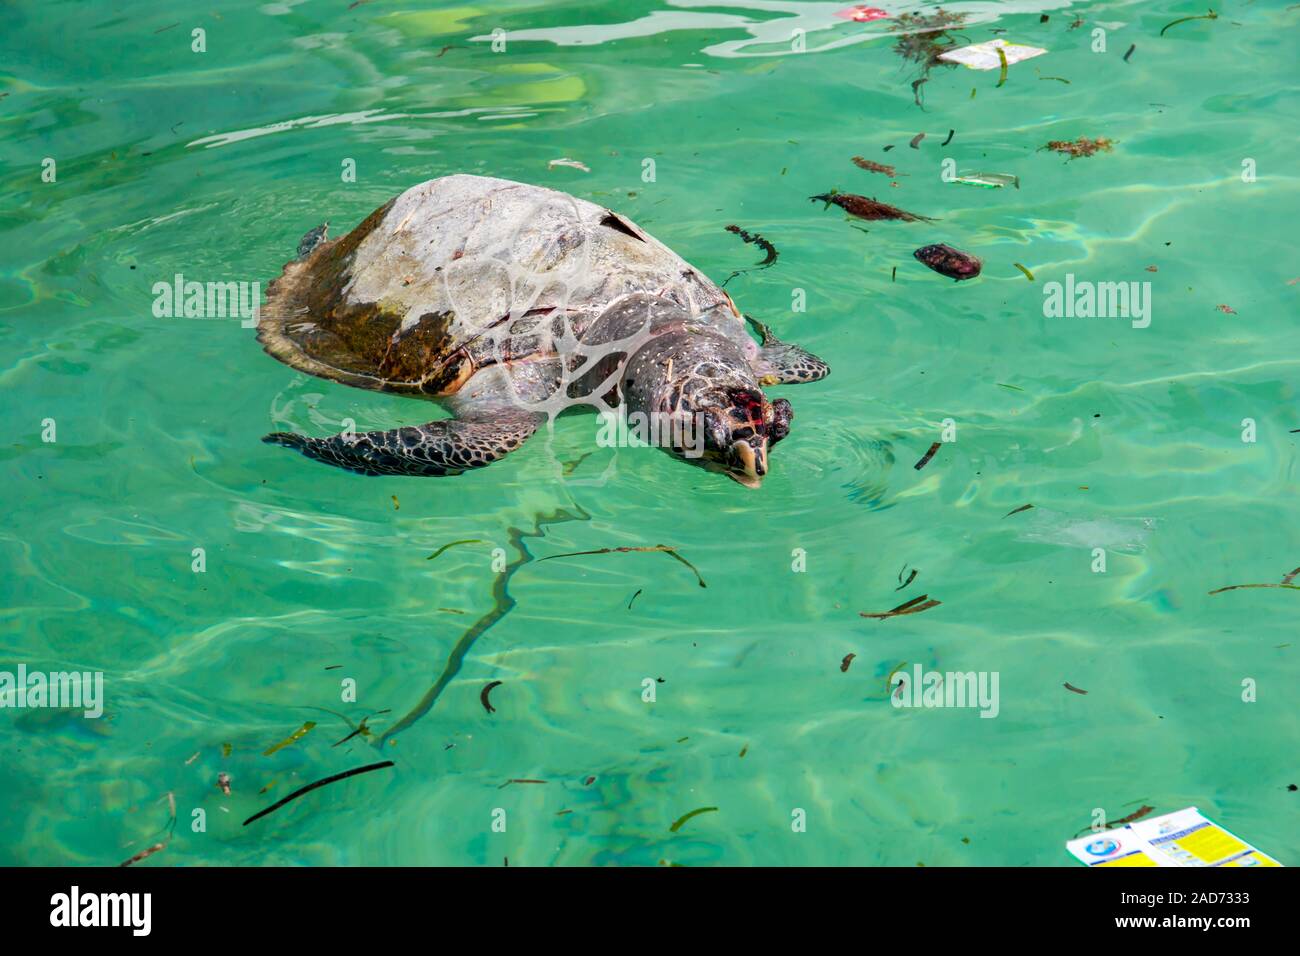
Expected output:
{"points": [[926, 37], [871, 167], [1083, 146], [861, 207]]}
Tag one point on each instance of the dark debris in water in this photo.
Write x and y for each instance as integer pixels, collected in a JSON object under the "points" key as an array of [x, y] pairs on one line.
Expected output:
{"points": [[1286, 582], [694, 813], [334, 778], [671, 552], [914, 606], [871, 167], [925, 459], [483, 696], [949, 262]]}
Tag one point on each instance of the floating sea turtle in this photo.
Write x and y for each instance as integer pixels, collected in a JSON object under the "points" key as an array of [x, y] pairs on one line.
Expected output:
{"points": [[508, 303]]}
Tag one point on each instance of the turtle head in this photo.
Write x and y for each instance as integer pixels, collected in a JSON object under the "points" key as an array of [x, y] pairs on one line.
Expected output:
{"points": [[703, 384], [740, 426]]}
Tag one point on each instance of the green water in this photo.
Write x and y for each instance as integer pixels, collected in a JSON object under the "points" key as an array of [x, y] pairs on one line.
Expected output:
{"points": [[213, 164]]}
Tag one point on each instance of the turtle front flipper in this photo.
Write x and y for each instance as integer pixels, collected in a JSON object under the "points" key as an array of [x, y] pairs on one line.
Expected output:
{"points": [[435, 449], [780, 363]]}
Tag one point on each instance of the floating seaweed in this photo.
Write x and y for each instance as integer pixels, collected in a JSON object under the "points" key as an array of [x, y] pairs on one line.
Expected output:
{"points": [[1130, 52], [1083, 146], [871, 167], [1137, 814], [518, 780], [925, 459], [951, 134], [916, 90], [452, 544], [1285, 583], [948, 261], [671, 552], [634, 597], [334, 778], [924, 37], [1002, 74], [1017, 511], [916, 141], [756, 239], [1070, 687], [362, 729], [1204, 16], [1028, 275], [759, 241], [483, 696], [1236, 587], [293, 738], [914, 606], [910, 578], [694, 813], [844, 664], [861, 207]]}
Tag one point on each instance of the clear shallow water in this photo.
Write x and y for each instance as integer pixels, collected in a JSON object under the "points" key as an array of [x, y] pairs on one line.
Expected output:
{"points": [[213, 164]]}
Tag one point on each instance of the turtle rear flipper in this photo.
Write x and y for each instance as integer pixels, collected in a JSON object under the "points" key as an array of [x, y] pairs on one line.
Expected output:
{"points": [[780, 363], [435, 449]]}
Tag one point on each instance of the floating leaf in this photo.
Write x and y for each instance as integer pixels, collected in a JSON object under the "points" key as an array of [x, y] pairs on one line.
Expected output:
{"points": [[914, 606], [293, 738]]}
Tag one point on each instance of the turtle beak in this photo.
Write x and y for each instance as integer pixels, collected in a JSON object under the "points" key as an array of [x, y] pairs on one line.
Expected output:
{"points": [[749, 462]]}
